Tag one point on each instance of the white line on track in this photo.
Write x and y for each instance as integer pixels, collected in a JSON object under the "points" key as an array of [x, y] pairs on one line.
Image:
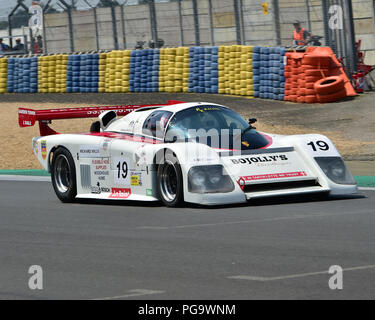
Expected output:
{"points": [[366, 188], [295, 217], [133, 293], [24, 178], [294, 276]]}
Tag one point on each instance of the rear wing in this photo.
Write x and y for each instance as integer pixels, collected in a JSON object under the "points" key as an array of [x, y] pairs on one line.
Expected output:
{"points": [[28, 117]]}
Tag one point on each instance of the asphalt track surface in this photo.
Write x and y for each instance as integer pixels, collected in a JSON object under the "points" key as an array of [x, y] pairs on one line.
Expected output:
{"points": [[263, 250]]}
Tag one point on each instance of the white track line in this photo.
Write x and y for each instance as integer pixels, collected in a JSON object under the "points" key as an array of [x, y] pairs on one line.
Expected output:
{"points": [[293, 276], [366, 188], [133, 293], [24, 178]]}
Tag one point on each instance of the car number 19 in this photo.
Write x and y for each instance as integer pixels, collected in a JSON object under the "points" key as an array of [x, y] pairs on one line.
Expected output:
{"points": [[121, 173]]}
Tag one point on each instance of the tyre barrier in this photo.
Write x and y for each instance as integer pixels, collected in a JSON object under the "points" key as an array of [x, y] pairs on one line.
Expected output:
{"points": [[144, 71], [265, 72], [271, 74], [3, 74], [82, 73], [204, 70], [52, 74], [102, 72], [315, 76], [22, 75], [173, 74], [235, 66], [117, 71]]}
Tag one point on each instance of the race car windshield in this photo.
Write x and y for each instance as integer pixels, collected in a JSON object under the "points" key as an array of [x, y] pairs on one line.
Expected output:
{"points": [[215, 123]]}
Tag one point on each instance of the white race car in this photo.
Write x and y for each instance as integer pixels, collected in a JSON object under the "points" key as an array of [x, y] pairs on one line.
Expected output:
{"points": [[200, 153]]}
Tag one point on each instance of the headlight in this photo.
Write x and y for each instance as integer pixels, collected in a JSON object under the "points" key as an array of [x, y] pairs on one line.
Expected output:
{"points": [[334, 168], [209, 179], [198, 177]]}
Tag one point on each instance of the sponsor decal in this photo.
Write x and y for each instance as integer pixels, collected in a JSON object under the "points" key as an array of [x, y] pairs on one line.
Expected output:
{"points": [[101, 168], [106, 144], [99, 190], [275, 176], [149, 193], [36, 147], [43, 147], [261, 159], [131, 125], [101, 175], [241, 183], [27, 112], [207, 109], [89, 152], [95, 190], [120, 193], [136, 179]]}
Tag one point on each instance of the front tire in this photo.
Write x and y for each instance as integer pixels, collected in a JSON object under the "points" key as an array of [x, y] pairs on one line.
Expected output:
{"points": [[63, 175], [170, 182]]}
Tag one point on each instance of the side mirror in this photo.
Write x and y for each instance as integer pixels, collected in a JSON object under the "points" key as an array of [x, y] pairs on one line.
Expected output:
{"points": [[170, 139], [252, 120]]}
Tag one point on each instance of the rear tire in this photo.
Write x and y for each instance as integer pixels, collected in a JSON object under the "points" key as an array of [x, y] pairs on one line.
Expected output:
{"points": [[63, 174], [169, 181]]}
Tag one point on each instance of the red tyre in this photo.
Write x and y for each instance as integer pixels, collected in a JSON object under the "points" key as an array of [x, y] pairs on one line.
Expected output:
{"points": [[295, 78], [312, 79], [296, 71], [288, 86], [320, 61], [293, 98], [310, 92], [301, 92], [309, 85], [317, 72], [287, 74], [308, 67], [295, 64], [293, 91], [311, 99], [332, 97], [301, 83], [329, 85]]}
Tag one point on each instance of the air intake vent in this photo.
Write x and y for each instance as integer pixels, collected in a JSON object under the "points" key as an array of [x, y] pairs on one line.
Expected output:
{"points": [[85, 176], [281, 185]]}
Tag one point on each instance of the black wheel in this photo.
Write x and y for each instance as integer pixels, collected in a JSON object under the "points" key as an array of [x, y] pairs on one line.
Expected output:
{"points": [[63, 175], [169, 181]]}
